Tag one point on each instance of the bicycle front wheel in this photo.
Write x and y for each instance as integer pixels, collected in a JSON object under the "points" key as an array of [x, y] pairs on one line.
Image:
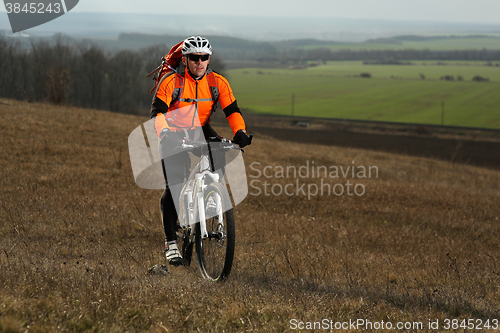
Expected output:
{"points": [[215, 253]]}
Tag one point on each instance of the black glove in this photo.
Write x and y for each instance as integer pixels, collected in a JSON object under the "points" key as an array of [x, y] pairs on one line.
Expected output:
{"points": [[169, 138], [242, 139]]}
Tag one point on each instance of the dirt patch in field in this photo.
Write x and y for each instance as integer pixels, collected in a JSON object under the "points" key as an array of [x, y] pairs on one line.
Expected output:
{"points": [[464, 146], [466, 151]]}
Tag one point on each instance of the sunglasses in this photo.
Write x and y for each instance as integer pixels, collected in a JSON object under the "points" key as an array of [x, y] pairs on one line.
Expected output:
{"points": [[196, 57]]}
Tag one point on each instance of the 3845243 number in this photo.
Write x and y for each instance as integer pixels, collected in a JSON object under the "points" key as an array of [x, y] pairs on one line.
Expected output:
{"points": [[471, 324], [33, 8]]}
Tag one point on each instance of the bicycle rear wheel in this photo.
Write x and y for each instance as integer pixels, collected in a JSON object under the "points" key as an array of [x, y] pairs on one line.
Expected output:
{"points": [[215, 253]]}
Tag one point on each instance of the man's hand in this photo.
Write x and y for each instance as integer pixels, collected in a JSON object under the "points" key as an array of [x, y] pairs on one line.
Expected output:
{"points": [[169, 138], [242, 139]]}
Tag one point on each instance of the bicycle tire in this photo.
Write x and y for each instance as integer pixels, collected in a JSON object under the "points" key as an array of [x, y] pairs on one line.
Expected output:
{"points": [[215, 253]]}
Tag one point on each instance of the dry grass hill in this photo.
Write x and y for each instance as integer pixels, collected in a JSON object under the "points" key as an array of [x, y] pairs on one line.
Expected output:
{"points": [[77, 237]]}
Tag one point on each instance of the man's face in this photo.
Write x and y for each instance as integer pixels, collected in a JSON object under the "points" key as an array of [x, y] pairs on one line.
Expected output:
{"points": [[196, 64]]}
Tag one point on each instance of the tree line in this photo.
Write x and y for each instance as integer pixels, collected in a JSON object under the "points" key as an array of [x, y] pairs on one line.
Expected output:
{"points": [[62, 71], [325, 54]]}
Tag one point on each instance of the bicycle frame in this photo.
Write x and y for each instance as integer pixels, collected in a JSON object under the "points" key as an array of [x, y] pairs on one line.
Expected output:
{"points": [[205, 211], [193, 190]]}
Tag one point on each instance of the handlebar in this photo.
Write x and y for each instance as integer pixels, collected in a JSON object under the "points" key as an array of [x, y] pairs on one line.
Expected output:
{"points": [[225, 143]]}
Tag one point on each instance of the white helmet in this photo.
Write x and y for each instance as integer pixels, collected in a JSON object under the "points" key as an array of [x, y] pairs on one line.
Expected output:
{"points": [[196, 44]]}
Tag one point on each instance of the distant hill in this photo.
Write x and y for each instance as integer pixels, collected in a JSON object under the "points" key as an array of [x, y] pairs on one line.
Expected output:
{"points": [[218, 42], [239, 48], [423, 38]]}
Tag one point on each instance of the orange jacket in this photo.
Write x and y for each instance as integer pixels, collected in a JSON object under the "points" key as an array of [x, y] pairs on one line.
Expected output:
{"points": [[199, 90]]}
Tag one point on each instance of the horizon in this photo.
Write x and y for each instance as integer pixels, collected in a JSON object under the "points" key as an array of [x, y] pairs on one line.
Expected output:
{"points": [[88, 24]]}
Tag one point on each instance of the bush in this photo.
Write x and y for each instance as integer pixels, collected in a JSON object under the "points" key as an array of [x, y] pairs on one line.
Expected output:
{"points": [[367, 75], [480, 79], [448, 78]]}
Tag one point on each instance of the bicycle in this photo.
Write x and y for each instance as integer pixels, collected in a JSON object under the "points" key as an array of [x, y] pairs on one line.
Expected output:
{"points": [[206, 218]]}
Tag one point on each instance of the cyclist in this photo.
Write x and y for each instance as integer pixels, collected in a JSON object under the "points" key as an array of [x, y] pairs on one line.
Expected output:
{"points": [[197, 92]]}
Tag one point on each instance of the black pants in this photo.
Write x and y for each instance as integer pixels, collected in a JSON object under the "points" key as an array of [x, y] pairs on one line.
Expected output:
{"points": [[177, 167]]}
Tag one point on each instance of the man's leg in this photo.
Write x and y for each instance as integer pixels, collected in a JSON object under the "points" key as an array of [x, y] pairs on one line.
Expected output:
{"points": [[174, 167], [169, 218], [168, 215]]}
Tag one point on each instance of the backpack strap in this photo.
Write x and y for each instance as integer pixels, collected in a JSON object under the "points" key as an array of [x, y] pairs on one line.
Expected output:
{"points": [[212, 83], [178, 88]]}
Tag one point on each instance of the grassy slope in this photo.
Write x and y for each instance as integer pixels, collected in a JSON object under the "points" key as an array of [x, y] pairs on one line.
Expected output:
{"points": [[77, 237], [333, 91]]}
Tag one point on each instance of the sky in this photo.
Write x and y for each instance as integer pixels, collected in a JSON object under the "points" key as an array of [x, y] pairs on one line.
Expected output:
{"points": [[470, 11], [396, 17]]}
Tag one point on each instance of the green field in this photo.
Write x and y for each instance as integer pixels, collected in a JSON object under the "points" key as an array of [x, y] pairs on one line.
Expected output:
{"points": [[393, 93], [430, 69], [441, 44]]}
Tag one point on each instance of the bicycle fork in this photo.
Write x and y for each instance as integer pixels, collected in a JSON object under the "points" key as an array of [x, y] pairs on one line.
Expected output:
{"points": [[201, 206]]}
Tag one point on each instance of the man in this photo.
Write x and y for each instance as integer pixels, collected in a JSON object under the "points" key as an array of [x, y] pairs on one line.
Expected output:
{"points": [[194, 89]]}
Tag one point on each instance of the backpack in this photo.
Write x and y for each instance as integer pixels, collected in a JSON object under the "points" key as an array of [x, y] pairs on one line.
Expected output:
{"points": [[167, 68]]}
